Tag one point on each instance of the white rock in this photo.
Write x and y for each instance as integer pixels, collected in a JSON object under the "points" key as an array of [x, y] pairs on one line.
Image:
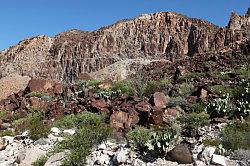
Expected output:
{"points": [[218, 159], [55, 160], [103, 159], [55, 130], [209, 151], [26, 133], [8, 139], [122, 156], [102, 146], [69, 131]]}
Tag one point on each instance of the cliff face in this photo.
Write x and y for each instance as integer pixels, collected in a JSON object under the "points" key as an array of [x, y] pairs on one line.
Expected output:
{"points": [[165, 35]]}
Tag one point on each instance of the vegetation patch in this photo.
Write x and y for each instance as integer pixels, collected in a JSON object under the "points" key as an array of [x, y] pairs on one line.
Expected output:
{"points": [[236, 135], [40, 161], [91, 130]]}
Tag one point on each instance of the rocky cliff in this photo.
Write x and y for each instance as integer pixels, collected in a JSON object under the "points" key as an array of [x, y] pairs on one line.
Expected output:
{"points": [[165, 35]]}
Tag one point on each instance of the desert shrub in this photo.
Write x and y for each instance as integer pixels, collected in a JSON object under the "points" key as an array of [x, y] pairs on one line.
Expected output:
{"points": [[189, 76], [155, 140], [3, 114], [221, 89], [108, 94], [89, 134], [177, 101], [194, 120], [223, 75], [165, 86], [140, 137], [150, 88], [236, 136], [37, 94], [220, 107], [7, 133], [79, 120], [198, 107], [40, 161], [243, 72], [34, 123], [211, 142], [161, 138], [36, 126], [89, 85], [122, 86], [184, 89], [241, 155]]}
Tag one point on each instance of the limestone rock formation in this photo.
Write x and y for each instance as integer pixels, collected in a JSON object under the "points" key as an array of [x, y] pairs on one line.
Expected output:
{"points": [[164, 35]]}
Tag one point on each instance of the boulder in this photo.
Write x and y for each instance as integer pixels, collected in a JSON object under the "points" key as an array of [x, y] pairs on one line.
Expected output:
{"points": [[40, 85], [181, 154], [160, 100], [56, 159], [170, 115], [156, 117], [12, 84], [218, 160]]}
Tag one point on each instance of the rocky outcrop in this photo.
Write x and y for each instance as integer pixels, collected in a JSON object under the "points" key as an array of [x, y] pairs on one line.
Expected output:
{"points": [[165, 35]]}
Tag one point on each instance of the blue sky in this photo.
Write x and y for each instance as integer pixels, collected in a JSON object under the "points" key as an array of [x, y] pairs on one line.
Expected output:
{"points": [[25, 18]]}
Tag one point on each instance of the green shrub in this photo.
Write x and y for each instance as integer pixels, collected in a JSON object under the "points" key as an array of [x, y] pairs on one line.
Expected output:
{"points": [[221, 89], [122, 86], [82, 141], [150, 88], [184, 89], [199, 107], [154, 140], [89, 85], [79, 120], [236, 136], [3, 114], [194, 120], [36, 126], [108, 94], [37, 94], [220, 107], [140, 137], [177, 101], [220, 75], [189, 76], [34, 123], [40, 161], [243, 72], [7, 133], [211, 142], [161, 138]]}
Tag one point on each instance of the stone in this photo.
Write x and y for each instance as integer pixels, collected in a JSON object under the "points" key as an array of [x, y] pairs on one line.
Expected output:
{"points": [[5, 126], [8, 139], [55, 130], [118, 120], [102, 146], [3, 144], [42, 141], [160, 100], [156, 117], [181, 154], [122, 156], [31, 154], [143, 106], [40, 85], [218, 160], [11, 84], [56, 159], [103, 159], [170, 115], [69, 131]]}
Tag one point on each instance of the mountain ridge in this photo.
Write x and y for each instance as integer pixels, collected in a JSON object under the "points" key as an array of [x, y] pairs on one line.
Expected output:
{"points": [[166, 35]]}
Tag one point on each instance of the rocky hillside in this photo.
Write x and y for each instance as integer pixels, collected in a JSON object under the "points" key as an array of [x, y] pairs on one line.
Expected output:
{"points": [[165, 35]]}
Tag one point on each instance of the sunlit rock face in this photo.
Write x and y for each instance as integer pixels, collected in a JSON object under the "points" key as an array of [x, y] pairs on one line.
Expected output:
{"points": [[165, 35]]}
